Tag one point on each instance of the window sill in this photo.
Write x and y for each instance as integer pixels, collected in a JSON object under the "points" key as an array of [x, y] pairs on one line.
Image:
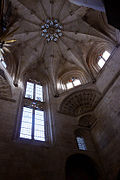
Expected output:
{"points": [[31, 142]]}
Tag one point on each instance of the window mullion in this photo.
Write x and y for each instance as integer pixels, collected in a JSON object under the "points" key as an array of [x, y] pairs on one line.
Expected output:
{"points": [[103, 58], [33, 123], [72, 83], [34, 91], [33, 116]]}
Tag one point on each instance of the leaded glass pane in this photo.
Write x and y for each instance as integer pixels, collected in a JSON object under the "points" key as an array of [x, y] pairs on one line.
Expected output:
{"points": [[25, 136], [31, 115], [76, 82], [26, 125], [106, 55], [29, 90], [81, 143], [69, 85], [101, 62], [39, 132], [39, 93]]}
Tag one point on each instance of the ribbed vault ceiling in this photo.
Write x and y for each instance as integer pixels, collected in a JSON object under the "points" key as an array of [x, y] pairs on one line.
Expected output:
{"points": [[81, 31]]}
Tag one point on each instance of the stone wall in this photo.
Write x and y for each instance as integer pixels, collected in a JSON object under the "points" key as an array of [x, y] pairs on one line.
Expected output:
{"points": [[106, 132], [22, 160]]}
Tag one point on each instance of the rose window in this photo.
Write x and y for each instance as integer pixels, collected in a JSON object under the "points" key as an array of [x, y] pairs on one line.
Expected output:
{"points": [[52, 30]]}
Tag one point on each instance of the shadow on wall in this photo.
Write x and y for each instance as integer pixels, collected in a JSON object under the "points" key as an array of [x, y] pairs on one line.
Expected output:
{"points": [[81, 167], [5, 88]]}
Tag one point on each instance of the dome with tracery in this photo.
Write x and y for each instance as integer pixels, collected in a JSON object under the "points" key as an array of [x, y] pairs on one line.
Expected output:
{"points": [[57, 36]]}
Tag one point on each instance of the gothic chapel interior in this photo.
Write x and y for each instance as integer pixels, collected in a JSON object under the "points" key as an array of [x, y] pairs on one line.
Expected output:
{"points": [[59, 92]]}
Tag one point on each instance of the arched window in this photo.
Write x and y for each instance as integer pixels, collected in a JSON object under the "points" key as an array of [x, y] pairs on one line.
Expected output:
{"points": [[69, 83], [81, 166], [103, 58], [98, 55], [71, 79], [81, 143], [33, 117], [72, 83]]}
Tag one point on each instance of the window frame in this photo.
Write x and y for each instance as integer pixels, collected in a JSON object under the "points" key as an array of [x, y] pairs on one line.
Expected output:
{"points": [[72, 83], [32, 125], [101, 57], [47, 118], [34, 109], [83, 147]]}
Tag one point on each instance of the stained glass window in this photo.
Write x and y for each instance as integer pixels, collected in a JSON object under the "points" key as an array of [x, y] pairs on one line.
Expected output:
{"points": [[76, 82], [106, 55], [39, 93], [69, 85], [103, 58], [51, 30], [26, 126], [39, 125], [34, 90], [29, 90], [32, 124], [73, 82], [81, 143], [101, 62]]}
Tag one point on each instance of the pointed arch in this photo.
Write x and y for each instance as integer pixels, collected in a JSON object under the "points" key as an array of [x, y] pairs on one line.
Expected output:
{"points": [[80, 166]]}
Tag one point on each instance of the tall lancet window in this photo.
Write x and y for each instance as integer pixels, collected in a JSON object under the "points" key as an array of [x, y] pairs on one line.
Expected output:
{"points": [[33, 121]]}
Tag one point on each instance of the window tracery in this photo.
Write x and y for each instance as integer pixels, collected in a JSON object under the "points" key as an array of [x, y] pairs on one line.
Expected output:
{"points": [[51, 30], [74, 81], [80, 102], [33, 124], [71, 79], [98, 55]]}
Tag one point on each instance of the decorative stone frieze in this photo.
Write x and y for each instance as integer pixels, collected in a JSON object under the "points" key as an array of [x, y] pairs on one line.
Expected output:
{"points": [[80, 102]]}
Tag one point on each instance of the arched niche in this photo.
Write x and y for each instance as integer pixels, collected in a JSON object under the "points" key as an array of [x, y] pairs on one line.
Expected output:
{"points": [[80, 102], [87, 120], [81, 167]]}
